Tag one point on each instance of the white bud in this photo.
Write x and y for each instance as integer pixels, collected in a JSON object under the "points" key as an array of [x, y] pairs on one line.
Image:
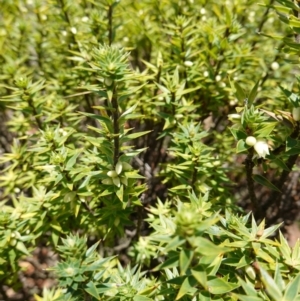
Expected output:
{"points": [[188, 63], [205, 73], [73, 30], [234, 116], [274, 66], [250, 140], [218, 78], [296, 114], [85, 19]]}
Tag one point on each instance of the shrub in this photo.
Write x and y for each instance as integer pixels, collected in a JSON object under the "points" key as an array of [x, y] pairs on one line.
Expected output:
{"points": [[135, 134]]}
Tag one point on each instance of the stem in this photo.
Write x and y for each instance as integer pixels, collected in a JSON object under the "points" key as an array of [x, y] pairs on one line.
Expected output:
{"points": [[37, 119], [297, 36], [68, 20], [262, 23], [220, 61], [276, 196], [115, 115], [194, 177], [110, 27], [250, 183]]}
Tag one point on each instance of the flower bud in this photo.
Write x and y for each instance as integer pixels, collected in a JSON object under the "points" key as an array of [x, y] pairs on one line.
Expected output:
{"points": [[250, 140], [234, 116], [250, 272], [296, 114], [188, 63]]}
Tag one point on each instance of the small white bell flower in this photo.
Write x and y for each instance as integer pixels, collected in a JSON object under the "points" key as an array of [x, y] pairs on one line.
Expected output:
{"points": [[262, 149]]}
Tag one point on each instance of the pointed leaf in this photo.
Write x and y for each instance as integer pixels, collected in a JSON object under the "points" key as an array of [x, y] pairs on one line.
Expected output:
{"points": [[187, 287], [220, 286], [91, 249], [239, 92], [292, 290], [241, 146], [272, 289], [253, 93], [185, 258], [200, 275], [263, 181], [92, 290]]}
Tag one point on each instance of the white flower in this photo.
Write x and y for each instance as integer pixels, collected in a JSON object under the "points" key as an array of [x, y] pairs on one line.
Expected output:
{"points": [[262, 149], [296, 114], [250, 140], [205, 74]]}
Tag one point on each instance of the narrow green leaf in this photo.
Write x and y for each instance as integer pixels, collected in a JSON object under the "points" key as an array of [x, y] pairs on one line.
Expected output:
{"points": [[272, 289], [279, 163], [91, 249], [130, 110], [103, 119], [206, 247], [242, 146], [292, 289], [248, 298], [266, 130], [239, 92], [169, 263], [237, 134], [185, 258], [187, 287], [263, 181], [253, 93], [220, 286], [136, 135], [141, 298], [22, 248], [92, 290], [174, 244], [120, 193], [278, 279], [72, 161], [248, 287], [200, 275]]}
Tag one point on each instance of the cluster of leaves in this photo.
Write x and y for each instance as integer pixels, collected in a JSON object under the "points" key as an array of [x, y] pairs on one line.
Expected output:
{"points": [[116, 128]]}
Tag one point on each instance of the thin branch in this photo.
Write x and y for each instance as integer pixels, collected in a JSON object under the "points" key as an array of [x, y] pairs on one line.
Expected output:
{"points": [[250, 183], [115, 115]]}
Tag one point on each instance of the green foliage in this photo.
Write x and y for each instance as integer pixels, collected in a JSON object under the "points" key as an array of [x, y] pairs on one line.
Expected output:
{"points": [[134, 135]]}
